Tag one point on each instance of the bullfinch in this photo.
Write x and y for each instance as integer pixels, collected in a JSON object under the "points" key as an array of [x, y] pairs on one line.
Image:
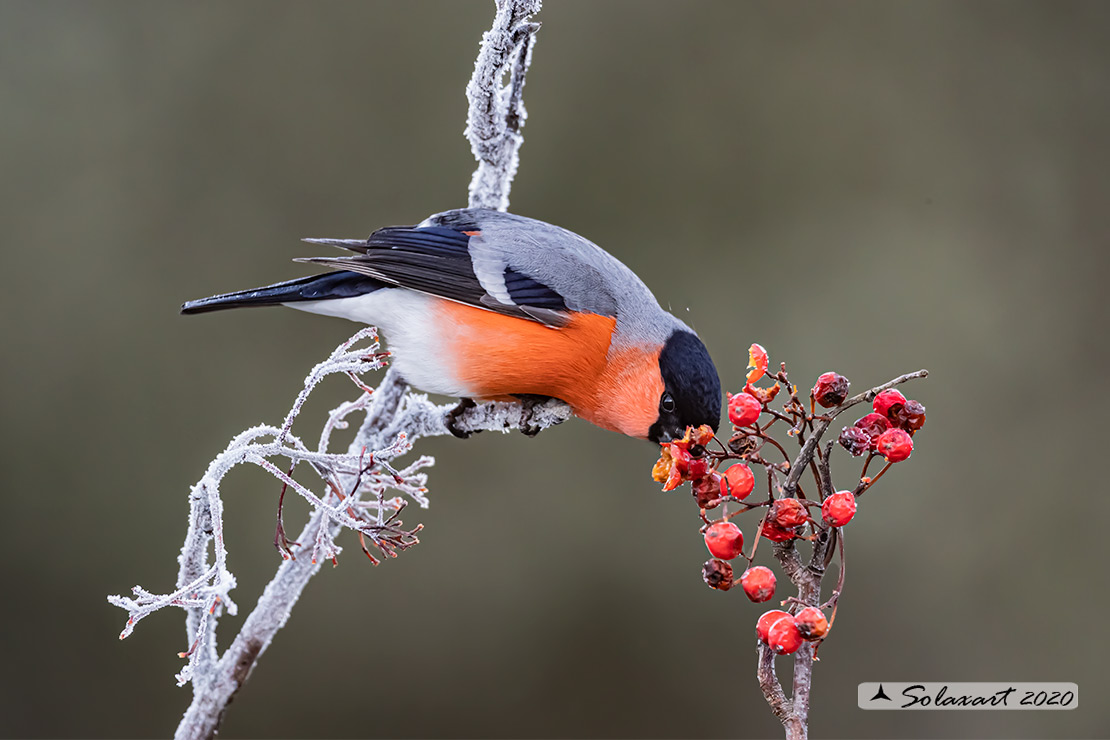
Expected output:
{"points": [[482, 304]]}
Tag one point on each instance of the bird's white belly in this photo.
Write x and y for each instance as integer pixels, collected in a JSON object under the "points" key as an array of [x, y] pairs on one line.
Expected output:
{"points": [[408, 322]]}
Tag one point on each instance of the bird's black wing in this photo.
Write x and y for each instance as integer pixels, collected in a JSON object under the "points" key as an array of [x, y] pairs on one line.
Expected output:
{"points": [[436, 260]]}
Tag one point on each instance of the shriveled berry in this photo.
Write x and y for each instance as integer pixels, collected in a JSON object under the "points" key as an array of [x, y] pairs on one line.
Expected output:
{"points": [[873, 425], [758, 583], [776, 533], [895, 445], [744, 444], [912, 416], [739, 480], [724, 540], [888, 404], [839, 508], [717, 574], [707, 490], [787, 513], [784, 637], [855, 440], [744, 409], [763, 626], [811, 623], [831, 389]]}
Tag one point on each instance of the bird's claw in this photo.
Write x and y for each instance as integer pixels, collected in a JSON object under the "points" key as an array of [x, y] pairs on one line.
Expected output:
{"points": [[453, 417], [528, 405]]}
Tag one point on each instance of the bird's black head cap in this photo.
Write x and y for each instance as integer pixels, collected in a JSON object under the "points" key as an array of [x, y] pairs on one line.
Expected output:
{"points": [[691, 388]]}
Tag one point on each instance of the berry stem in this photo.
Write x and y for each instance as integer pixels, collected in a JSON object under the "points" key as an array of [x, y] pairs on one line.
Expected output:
{"points": [[862, 487]]}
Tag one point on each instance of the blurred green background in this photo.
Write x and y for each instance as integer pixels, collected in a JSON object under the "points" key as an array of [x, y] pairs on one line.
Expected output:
{"points": [[870, 187]]}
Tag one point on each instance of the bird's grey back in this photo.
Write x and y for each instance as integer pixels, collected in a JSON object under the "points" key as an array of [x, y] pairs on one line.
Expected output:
{"points": [[589, 278]]}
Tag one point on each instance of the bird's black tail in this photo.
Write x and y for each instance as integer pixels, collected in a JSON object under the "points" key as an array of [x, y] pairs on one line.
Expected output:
{"points": [[331, 285]]}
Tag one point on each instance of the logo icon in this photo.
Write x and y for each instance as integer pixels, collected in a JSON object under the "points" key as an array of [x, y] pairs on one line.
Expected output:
{"points": [[880, 694]]}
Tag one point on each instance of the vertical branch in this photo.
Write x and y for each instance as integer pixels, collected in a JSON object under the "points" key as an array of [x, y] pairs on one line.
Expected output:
{"points": [[496, 113], [494, 122]]}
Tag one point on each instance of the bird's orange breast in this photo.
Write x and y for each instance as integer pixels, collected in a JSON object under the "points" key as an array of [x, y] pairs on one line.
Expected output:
{"points": [[497, 356]]}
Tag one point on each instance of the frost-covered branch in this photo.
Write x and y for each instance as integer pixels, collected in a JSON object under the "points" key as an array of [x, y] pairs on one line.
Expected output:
{"points": [[497, 114], [353, 497], [348, 489]]}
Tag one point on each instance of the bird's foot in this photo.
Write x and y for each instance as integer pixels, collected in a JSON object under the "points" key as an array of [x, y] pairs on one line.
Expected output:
{"points": [[454, 414], [528, 404]]}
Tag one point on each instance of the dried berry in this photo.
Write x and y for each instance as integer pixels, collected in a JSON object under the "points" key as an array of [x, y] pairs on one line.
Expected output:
{"points": [[831, 389], [766, 621], [888, 403], [757, 361], [717, 574], [776, 533], [763, 626], [707, 490], [811, 623], [738, 481], [895, 445], [744, 444], [743, 409], [839, 508], [724, 540], [784, 637], [912, 416], [787, 513], [855, 440], [758, 583], [873, 425]]}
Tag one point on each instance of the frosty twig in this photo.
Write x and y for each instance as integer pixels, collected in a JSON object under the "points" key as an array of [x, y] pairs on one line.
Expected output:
{"points": [[354, 482]]}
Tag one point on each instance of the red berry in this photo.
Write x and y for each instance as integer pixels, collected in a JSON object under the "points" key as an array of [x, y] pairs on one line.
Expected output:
{"points": [[688, 466], [888, 404], [784, 637], [839, 508], [776, 533], [744, 409], [912, 416], [811, 623], [831, 389], [717, 574], [724, 540], [787, 513], [738, 480], [895, 445], [707, 490], [758, 583], [855, 440], [872, 425], [763, 626]]}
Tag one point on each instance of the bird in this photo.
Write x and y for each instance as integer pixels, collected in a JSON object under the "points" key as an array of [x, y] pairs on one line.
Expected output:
{"points": [[486, 305]]}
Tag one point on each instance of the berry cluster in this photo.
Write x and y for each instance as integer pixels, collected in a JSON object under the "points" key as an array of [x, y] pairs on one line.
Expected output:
{"points": [[790, 513]]}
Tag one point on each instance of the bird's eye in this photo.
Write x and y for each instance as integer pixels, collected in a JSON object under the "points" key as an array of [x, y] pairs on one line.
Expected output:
{"points": [[667, 404]]}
